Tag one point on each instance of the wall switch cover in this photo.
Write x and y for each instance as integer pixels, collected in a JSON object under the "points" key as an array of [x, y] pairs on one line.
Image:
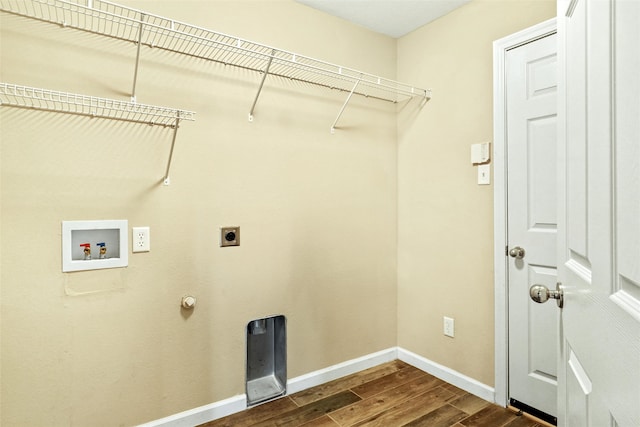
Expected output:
{"points": [[484, 174]]}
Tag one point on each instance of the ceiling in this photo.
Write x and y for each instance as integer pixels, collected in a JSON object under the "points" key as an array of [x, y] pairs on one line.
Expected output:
{"points": [[394, 18]]}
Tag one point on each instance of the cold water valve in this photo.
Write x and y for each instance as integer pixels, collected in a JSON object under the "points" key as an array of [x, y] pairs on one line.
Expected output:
{"points": [[103, 250]]}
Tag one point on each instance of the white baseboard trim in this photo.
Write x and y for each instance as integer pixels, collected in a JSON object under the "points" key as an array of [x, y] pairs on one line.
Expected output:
{"points": [[459, 380], [238, 403], [334, 372], [203, 414]]}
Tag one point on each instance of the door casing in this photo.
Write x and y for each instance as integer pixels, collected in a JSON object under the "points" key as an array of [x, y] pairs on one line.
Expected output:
{"points": [[500, 48]]}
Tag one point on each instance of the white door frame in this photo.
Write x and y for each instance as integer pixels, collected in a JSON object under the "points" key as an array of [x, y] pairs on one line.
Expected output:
{"points": [[501, 297]]}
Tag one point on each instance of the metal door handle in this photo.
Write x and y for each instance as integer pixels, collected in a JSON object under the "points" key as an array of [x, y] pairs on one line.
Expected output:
{"points": [[541, 294], [517, 252]]}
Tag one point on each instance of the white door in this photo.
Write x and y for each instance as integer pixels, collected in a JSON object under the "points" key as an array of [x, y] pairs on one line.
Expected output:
{"points": [[531, 109], [599, 222]]}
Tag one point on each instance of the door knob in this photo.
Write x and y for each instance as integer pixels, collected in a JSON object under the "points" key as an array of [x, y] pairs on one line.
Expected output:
{"points": [[517, 252], [541, 294]]}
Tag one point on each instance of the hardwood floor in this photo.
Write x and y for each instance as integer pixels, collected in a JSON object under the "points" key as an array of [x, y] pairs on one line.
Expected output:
{"points": [[394, 394]]}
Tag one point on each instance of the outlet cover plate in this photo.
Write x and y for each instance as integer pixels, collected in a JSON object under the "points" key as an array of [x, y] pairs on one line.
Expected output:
{"points": [[449, 327], [140, 239]]}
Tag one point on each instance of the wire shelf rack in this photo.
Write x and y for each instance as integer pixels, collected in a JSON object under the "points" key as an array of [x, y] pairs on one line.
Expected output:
{"points": [[51, 100], [44, 99], [144, 29], [120, 22]]}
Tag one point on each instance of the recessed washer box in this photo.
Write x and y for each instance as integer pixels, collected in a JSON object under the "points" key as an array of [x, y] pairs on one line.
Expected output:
{"points": [[93, 245]]}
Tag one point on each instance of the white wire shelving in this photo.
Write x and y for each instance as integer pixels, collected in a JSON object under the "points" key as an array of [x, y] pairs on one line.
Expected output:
{"points": [[44, 99], [145, 29]]}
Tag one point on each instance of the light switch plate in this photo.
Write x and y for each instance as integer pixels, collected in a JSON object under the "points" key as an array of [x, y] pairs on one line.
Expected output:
{"points": [[484, 174]]}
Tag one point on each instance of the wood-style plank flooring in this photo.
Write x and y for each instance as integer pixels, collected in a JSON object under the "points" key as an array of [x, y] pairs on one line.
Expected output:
{"points": [[394, 394]]}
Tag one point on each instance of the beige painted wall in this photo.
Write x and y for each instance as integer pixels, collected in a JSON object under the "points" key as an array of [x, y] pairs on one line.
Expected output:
{"points": [[445, 219], [317, 211]]}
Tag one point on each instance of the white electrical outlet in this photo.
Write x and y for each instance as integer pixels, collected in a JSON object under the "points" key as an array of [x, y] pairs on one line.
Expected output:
{"points": [[141, 239], [448, 327]]}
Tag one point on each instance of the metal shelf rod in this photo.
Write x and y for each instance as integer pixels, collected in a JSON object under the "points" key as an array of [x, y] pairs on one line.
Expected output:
{"points": [[166, 179], [135, 71], [333, 126], [264, 76]]}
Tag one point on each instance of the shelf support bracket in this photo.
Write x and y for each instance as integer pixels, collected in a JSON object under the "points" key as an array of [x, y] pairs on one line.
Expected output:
{"points": [[264, 76], [166, 179], [426, 98], [333, 126], [135, 71]]}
